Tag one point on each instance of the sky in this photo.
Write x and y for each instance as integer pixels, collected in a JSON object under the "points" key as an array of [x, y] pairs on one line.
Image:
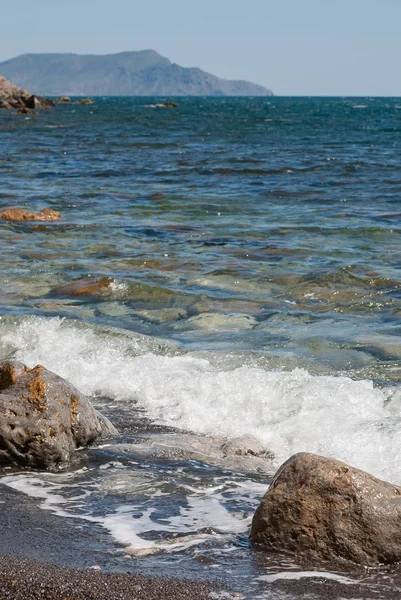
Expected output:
{"points": [[294, 47]]}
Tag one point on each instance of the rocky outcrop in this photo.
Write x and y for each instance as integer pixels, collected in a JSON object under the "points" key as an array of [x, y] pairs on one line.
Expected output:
{"points": [[43, 418], [321, 509], [63, 100], [39, 103], [19, 214], [14, 97]]}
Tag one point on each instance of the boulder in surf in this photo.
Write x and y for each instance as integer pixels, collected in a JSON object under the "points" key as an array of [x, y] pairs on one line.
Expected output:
{"points": [[43, 418], [320, 509]]}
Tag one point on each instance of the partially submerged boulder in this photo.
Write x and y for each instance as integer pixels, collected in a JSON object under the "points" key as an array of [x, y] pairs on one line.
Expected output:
{"points": [[167, 105], [246, 445], [19, 214], [85, 101], [321, 509], [43, 418], [63, 100], [25, 111]]}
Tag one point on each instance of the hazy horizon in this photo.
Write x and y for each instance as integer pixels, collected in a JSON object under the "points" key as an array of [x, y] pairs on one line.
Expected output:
{"points": [[295, 49]]}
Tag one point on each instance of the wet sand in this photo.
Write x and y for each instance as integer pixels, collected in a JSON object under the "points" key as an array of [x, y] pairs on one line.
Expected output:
{"points": [[22, 580]]}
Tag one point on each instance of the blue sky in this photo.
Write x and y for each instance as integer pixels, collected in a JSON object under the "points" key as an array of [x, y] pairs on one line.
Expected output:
{"points": [[295, 47]]}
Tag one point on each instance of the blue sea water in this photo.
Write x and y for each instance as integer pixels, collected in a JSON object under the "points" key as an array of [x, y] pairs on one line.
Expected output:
{"points": [[227, 268]]}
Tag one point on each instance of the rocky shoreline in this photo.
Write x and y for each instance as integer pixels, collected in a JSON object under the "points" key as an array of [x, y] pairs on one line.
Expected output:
{"points": [[322, 512], [316, 509]]}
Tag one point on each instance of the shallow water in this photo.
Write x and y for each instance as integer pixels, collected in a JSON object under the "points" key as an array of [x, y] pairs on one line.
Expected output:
{"points": [[241, 267]]}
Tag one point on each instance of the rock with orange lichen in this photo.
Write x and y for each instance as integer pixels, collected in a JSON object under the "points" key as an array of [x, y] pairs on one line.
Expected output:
{"points": [[43, 418], [20, 214]]}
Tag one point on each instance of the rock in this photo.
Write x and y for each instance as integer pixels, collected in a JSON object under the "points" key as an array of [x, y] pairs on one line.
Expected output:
{"points": [[13, 97], [88, 286], [25, 111], [43, 418], [5, 105], [219, 321], [166, 105], [163, 315], [63, 100], [321, 509], [246, 445], [19, 214], [85, 101], [38, 103]]}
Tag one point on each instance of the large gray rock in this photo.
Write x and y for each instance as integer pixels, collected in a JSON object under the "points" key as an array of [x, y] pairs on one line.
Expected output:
{"points": [[43, 418], [322, 509]]}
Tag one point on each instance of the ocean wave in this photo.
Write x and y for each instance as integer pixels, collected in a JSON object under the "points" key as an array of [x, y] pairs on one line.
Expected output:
{"points": [[289, 411]]}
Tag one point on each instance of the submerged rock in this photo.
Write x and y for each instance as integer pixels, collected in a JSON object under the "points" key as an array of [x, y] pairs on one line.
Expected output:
{"points": [[321, 509], [19, 214], [163, 315], [87, 286], [43, 418], [219, 321]]}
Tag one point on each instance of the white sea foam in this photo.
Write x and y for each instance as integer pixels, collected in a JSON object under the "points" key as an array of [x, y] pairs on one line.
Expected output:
{"points": [[288, 411], [202, 517], [37, 488], [297, 575]]}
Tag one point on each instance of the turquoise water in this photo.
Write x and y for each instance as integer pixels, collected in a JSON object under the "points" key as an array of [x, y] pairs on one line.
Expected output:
{"points": [[227, 268], [283, 210]]}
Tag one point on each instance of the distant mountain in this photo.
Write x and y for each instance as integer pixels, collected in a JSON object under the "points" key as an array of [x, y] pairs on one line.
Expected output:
{"points": [[143, 73]]}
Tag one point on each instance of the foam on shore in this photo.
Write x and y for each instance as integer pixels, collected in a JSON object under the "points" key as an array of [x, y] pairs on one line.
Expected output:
{"points": [[288, 411]]}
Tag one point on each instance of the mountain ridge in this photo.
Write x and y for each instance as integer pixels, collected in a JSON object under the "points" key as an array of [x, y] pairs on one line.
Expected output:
{"points": [[136, 73]]}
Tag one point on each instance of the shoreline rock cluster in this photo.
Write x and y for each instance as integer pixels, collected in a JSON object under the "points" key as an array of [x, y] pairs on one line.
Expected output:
{"points": [[23, 102]]}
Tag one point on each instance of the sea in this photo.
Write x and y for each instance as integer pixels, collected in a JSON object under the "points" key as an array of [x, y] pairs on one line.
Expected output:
{"points": [[225, 285]]}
